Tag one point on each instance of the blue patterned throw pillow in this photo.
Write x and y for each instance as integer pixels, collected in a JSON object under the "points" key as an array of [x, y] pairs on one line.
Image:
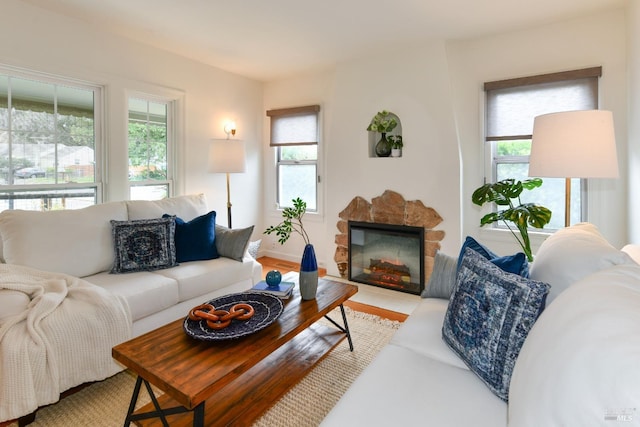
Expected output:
{"points": [[489, 316], [144, 245]]}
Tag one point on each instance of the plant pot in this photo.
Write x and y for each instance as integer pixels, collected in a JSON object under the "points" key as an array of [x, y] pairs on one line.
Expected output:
{"points": [[308, 273], [396, 152], [383, 147]]}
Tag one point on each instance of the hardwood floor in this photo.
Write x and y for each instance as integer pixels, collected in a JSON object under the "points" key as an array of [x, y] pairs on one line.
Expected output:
{"points": [[283, 266]]}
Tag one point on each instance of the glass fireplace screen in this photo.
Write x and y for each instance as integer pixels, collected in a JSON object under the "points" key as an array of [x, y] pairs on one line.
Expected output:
{"points": [[385, 255]]}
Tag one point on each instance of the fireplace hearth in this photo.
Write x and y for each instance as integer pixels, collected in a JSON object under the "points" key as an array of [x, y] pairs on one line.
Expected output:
{"points": [[386, 255]]}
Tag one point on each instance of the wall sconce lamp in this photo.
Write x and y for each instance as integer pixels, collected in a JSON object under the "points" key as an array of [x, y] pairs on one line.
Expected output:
{"points": [[230, 129]]}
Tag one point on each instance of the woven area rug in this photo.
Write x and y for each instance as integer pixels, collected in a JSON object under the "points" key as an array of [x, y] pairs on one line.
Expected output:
{"points": [[105, 403]]}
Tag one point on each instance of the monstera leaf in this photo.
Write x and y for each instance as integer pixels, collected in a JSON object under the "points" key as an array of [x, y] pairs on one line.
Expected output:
{"points": [[507, 193]]}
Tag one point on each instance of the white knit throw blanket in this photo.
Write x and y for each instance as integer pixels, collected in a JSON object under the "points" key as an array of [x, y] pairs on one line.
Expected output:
{"points": [[63, 338]]}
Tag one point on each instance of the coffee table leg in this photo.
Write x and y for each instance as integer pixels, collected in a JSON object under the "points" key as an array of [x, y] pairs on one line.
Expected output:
{"points": [[344, 328], [198, 412], [198, 415], [134, 399]]}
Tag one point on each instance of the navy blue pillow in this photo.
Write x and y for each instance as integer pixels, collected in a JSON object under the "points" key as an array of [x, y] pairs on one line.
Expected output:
{"points": [[196, 239], [516, 264]]}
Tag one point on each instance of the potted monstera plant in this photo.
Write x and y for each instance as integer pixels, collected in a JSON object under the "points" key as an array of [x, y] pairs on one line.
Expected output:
{"points": [[506, 194]]}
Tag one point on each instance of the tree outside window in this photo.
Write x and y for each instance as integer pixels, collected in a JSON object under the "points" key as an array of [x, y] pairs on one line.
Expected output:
{"points": [[149, 175]]}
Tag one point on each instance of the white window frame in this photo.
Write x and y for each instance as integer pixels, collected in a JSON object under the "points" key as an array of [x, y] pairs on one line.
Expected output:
{"points": [[173, 103], [54, 191], [276, 147]]}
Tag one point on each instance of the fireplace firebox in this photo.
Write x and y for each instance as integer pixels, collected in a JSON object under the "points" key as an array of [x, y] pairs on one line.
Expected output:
{"points": [[386, 255]]}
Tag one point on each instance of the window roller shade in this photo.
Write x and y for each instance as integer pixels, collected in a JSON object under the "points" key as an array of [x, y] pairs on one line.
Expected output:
{"points": [[511, 108], [294, 126]]}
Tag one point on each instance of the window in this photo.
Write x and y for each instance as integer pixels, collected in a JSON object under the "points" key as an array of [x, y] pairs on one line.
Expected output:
{"points": [[149, 149], [49, 142], [511, 106], [294, 135]]}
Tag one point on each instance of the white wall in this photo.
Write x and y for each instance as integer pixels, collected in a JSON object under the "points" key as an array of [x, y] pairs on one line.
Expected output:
{"points": [[634, 120], [580, 43], [310, 89], [436, 89], [414, 84], [38, 40]]}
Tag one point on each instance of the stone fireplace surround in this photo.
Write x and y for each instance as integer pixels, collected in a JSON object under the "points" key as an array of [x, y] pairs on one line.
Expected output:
{"points": [[389, 208]]}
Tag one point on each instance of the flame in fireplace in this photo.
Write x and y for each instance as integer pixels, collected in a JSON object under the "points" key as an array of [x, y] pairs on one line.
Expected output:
{"points": [[392, 261], [383, 271]]}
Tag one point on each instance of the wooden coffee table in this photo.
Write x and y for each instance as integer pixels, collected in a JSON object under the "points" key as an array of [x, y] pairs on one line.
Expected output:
{"points": [[236, 380]]}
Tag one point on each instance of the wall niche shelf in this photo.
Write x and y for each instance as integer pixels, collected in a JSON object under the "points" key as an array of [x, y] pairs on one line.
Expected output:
{"points": [[374, 137]]}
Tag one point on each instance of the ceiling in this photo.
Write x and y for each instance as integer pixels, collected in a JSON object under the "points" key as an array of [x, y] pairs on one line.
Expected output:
{"points": [[268, 40]]}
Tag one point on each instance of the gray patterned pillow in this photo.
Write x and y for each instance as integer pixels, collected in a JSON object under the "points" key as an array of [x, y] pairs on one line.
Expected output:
{"points": [[144, 245], [489, 317], [443, 277], [232, 243]]}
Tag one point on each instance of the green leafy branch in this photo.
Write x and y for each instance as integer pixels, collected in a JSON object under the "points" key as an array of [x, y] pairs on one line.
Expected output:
{"points": [[292, 222]]}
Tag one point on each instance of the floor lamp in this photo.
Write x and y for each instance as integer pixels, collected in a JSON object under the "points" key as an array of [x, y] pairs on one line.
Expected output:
{"points": [[573, 144], [227, 156]]}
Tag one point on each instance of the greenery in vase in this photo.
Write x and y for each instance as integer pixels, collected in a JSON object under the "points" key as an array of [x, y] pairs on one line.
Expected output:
{"points": [[382, 122], [395, 141], [507, 193], [292, 222]]}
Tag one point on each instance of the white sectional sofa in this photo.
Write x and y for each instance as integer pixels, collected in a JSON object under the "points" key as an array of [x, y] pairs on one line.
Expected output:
{"points": [[578, 365], [57, 331], [80, 243]]}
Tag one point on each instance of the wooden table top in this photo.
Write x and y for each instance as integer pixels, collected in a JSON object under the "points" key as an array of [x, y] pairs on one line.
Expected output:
{"points": [[191, 371]]}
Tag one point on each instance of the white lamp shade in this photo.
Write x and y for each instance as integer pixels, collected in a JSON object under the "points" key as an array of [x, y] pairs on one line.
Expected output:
{"points": [[227, 155], [574, 144]]}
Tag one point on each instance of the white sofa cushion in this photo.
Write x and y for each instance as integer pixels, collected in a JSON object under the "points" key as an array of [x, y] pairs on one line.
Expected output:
{"points": [[422, 332], [76, 242], [571, 254], [404, 388], [145, 292], [200, 277], [633, 251], [579, 364], [185, 207]]}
